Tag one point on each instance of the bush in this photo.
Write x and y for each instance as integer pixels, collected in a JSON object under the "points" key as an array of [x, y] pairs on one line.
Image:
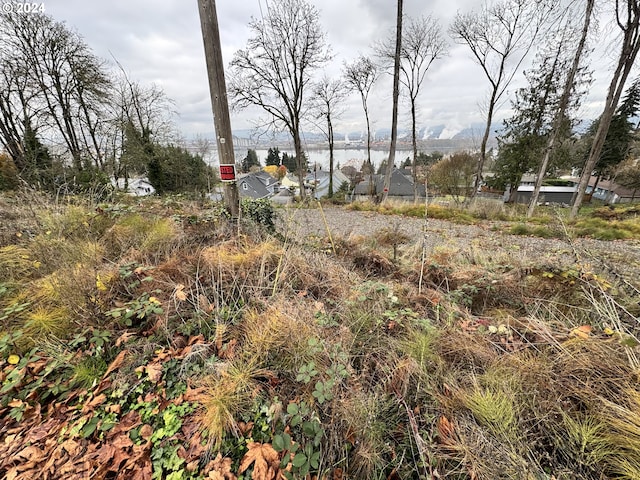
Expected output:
{"points": [[261, 211], [9, 179], [174, 169]]}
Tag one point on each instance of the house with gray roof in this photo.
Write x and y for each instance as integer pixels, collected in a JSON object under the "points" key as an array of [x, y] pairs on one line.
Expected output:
{"points": [[268, 181], [400, 187], [252, 186], [608, 191], [318, 182]]}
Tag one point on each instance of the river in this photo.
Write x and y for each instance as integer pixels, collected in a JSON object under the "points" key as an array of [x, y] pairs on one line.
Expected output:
{"points": [[342, 156]]}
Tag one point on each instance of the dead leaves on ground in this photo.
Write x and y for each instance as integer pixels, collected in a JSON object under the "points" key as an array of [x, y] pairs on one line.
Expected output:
{"points": [[47, 443], [265, 460]]}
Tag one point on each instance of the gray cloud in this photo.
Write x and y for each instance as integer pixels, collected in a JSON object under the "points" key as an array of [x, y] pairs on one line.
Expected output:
{"points": [[161, 42]]}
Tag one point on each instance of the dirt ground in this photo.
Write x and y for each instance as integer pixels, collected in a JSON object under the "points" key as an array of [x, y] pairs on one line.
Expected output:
{"points": [[620, 257]]}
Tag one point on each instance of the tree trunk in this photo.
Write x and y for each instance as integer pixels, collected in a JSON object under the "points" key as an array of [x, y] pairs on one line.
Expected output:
{"points": [[629, 51], [297, 143], [562, 108], [483, 146], [414, 144], [394, 115], [372, 187], [330, 131]]}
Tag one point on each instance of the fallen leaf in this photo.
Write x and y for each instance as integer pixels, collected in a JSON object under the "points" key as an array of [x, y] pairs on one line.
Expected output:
{"points": [[153, 370], [220, 469], [319, 307], [99, 400], [31, 453], [265, 460], [71, 447], [124, 338], [582, 332], [204, 304], [117, 362], [146, 431], [180, 295], [446, 430], [122, 442]]}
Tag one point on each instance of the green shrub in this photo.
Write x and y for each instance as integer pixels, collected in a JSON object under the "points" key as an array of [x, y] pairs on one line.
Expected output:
{"points": [[261, 211]]}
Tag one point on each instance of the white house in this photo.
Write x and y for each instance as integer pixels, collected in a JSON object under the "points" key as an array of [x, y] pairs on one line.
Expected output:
{"points": [[138, 186]]}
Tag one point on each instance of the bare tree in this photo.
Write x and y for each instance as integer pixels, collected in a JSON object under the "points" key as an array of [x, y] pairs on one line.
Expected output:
{"points": [[394, 112], [422, 44], [328, 97], [17, 108], [627, 15], [275, 68], [499, 36], [563, 106], [360, 75], [140, 116], [66, 83]]}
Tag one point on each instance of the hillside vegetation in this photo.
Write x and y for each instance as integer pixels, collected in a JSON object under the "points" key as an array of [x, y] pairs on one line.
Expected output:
{"points": [[159, 340]]}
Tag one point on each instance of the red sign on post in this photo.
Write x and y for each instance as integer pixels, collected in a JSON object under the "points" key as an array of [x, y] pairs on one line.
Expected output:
{"points": [[228, 173]]}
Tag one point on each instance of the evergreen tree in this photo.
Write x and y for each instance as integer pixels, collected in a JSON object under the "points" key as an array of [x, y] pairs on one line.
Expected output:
{"points": [[36, 159], [525, 134], [273, 156], [175, 169], [138, 152], [289, 161], [250, 160]]}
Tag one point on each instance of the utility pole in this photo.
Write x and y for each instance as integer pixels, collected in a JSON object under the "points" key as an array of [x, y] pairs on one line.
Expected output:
{"points": [[219, 104]]}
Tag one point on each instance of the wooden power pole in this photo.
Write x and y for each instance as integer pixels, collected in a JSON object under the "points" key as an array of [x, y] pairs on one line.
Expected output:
{"points": [[219, 104]]}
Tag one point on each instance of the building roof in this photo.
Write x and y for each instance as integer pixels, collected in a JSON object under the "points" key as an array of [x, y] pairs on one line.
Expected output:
{"points": [[399, 186], [265, 178], [606, 185], [252, 187]]}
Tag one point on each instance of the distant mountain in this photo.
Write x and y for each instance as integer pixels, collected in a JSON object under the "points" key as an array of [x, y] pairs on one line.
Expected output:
{"points": [[431, 133], [473, 131]]}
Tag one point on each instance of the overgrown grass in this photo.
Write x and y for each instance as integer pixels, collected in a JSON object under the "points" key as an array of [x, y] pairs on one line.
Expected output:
{"points": [[159, 331], [602, 223], [602, 229]]}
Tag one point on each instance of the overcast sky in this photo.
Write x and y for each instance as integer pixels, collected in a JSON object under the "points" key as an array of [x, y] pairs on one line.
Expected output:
{"points": [[160, 41]]}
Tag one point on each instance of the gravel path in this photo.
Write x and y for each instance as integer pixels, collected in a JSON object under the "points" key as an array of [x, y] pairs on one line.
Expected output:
{"points": [[621, 256]]}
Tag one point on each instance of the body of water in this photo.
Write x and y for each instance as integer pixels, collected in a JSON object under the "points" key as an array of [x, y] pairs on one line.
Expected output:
{"points": [[342, 156]]}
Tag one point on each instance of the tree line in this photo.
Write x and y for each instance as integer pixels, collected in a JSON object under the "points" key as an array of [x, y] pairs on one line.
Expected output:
{"points": [[102, 123], [276, 72], [69, 118]]}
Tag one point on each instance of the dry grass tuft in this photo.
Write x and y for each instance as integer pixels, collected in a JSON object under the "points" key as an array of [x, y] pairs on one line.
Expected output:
{"points": [[17, 263], [369, 420], [279, 335], [151, 236], [42, 323], [230, 391]]}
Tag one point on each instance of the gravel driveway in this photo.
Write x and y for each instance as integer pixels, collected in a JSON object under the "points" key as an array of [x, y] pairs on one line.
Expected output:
{"points": [[621, 256]]}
